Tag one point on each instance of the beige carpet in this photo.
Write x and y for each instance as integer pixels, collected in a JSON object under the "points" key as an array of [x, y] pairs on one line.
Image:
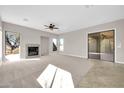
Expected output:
{"points": [[104, 75], [24, 74]]}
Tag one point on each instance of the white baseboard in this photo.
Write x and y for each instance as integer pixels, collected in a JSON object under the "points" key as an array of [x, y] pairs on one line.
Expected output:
{"points": [[119, 62], [0, 63], [72, 55], [84, 57]]}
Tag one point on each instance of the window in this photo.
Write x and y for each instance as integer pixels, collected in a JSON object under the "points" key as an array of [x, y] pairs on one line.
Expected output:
{"points": [[61, 44], [12, 46], [54, 44], [12, 43]]}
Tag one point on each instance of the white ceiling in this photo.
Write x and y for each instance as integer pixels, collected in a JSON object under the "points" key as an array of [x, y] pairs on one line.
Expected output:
{"points": [[67, 18]]}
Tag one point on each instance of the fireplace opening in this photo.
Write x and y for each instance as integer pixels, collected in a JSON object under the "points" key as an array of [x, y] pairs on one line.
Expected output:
{"points": [[33, 51]]}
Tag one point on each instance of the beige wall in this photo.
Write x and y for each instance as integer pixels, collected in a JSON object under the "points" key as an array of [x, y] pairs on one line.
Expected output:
{"points": [[0, 41], [27, 36], [0, 23], [76, 41], [73, 43]]}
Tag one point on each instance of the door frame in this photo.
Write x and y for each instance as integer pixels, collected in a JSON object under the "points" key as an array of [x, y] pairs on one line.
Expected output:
{"points": [[41, 46], [114, 44]]}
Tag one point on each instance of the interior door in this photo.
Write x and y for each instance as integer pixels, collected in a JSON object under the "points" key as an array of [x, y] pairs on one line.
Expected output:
{"points": [[44, 46]]}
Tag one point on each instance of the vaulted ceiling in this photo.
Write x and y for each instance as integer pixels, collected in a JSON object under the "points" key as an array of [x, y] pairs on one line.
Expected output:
{"points": [[67, 18]]}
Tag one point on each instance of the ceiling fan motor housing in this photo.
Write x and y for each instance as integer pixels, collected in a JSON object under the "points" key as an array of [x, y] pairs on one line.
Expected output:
{"points": [[51, 26]]}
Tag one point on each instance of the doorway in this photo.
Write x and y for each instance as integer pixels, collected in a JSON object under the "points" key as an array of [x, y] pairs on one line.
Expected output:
{"points": [[44, 46], [54, 42], [101, 45], [12, 46]]}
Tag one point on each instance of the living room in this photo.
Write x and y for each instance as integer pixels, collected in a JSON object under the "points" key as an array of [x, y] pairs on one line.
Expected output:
{"points": [[82, 43]]}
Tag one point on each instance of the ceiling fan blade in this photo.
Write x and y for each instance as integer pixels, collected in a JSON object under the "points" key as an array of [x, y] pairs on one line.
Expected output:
{"points": [[55, 28], [46, 26]]}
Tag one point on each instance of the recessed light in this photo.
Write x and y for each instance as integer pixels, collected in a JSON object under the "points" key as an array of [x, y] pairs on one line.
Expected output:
{"points": [[25, 19], [88, 6]]}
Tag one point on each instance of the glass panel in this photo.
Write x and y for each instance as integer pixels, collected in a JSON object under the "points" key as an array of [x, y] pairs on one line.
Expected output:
{"points": [[12, 43], [107, 45], [94, 46], [61, 44], [12, 46]]}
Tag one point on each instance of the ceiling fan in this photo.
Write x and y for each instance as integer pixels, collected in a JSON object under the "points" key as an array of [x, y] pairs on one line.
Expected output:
{"points": [[51, 27]]}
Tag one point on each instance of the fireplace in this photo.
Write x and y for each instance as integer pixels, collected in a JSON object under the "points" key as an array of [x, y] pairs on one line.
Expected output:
{"points": [[32, 50]]}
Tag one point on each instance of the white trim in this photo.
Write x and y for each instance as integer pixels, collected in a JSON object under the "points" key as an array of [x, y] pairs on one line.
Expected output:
{"points": [[119, 62], [72, 55], [102, 30], [115, 46]]}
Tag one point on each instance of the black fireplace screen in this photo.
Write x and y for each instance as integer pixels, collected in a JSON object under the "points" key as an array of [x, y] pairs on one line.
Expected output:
{"points": [[33, 51]]}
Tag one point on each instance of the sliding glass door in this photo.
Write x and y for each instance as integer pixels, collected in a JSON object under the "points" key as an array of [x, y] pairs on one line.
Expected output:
{"points": [[94, 46], [107, 45], [101, 45]]}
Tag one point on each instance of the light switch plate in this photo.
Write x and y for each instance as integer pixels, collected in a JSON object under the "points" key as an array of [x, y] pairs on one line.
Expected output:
{"points": [[119, 45]]}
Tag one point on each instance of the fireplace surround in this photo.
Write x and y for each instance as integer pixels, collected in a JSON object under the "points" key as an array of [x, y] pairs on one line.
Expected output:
{"points": [[32, 50]]}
